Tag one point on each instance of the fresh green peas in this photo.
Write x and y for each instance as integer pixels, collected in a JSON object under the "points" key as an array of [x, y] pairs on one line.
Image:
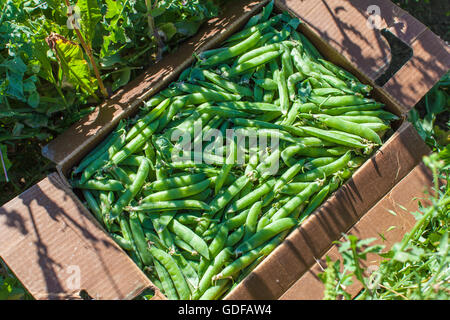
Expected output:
{"points": [[190, 237], [265, 234], [174, 271], [233, 51]]}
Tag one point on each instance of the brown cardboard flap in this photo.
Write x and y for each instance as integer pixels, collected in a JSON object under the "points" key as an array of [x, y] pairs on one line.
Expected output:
{"points": [[76, 141], [430, 62], [289, 261], [344, 26], [402, 200], [56, 249]]}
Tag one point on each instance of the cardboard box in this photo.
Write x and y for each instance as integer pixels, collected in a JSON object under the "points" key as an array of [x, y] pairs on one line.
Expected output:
{"points": [[57, 248]]}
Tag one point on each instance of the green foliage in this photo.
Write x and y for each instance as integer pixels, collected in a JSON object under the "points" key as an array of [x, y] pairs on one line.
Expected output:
{"points": [[47, 81], [437, 102], [415, 268], [10, 287]]}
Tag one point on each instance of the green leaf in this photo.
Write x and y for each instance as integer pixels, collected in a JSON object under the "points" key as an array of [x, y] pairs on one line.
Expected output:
{"points": [[74, 66], [90, 17], [158, 11], [123, 79], [169, 30], [33, 99]]}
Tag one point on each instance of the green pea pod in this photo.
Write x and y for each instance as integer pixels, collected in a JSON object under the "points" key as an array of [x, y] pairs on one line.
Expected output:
{"points": [[352, 128], [190, 237], [266, 233], [135, 143], [252, 63], [296, 201], [227, 85], [325, 171], [147, 119], [233, 51], [174, 271]]}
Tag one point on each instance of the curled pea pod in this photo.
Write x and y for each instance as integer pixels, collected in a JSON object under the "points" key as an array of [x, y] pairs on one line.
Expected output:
{"points": [[325, 171], [266, 233], [175, 273], [177, 193], [131, 192], [351, 127], [296, 201]]}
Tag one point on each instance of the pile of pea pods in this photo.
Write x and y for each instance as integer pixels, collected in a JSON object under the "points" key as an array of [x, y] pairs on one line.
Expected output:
{"points": [[198, 228]]}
